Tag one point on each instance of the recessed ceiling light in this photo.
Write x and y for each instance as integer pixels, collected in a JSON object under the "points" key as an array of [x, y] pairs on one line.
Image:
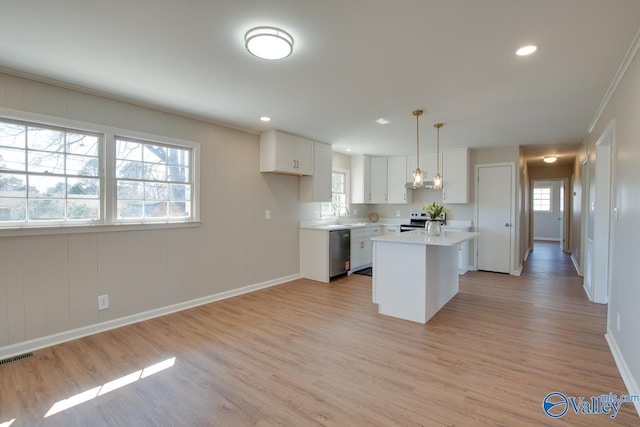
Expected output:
{"points": [[268, 42], [550, 159], [526, 50], [348, 150], [382, 121], [265, 119]]}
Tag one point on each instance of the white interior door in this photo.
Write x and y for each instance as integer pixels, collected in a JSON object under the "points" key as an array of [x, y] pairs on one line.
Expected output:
{"points": [[495, 216]]}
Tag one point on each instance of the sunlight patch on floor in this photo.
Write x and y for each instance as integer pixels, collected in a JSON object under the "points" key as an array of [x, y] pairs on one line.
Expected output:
{"points": [[85, 396], [7, 423]]}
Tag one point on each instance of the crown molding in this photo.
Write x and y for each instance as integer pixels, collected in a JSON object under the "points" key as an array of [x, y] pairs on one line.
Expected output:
{"points": [[622, 70]]}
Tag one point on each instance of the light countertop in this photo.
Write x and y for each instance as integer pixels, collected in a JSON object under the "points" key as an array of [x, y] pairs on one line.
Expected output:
{"points": [[420, 237]]}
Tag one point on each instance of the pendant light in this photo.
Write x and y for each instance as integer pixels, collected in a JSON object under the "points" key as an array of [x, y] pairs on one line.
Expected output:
{"points": [[418, 175], [437, 179]]}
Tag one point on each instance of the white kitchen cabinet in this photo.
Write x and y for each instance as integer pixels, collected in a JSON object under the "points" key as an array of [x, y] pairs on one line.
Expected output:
{"points": [[360, 179], [281, 152], [455, 176], [317, 188], [314, 255], [428, 163], [378, 180], [362, 246], [396, 180], [391, 229]]}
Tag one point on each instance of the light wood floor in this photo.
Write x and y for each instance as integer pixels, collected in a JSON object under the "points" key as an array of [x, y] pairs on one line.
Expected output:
{"points": [[306, 353]]}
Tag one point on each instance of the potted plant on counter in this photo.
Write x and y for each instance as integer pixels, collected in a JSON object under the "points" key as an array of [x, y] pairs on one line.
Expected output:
{"points": [[435, 212]]}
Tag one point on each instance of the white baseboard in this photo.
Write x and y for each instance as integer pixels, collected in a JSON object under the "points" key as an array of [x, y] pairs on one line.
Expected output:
{"points": [[575, 264], [627, 377], [588, 292], [517, 271], [526, 254], [48, 341]]}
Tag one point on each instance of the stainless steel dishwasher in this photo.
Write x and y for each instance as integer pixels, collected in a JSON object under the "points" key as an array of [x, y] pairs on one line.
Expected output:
{"points": [[339, 252]]}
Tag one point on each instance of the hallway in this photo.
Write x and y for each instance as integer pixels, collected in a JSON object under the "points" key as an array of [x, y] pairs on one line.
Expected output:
{"points": [[547, 260]]}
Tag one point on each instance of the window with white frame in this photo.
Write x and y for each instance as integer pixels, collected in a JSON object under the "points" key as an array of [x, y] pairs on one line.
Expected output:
{"points": [[339, 195], [56, 176], [542, 199], [153, 181], [48, 175]]}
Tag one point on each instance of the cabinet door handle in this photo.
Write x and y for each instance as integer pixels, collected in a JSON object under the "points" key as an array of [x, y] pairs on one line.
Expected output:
{"points": [[362, 245], [294, 164]]}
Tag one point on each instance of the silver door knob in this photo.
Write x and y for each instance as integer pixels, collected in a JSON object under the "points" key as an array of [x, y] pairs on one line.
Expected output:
{"points": [[507, 224]]}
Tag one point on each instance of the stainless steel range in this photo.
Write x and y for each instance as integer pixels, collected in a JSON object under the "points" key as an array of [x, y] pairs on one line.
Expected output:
{"points": [[417, 220]]}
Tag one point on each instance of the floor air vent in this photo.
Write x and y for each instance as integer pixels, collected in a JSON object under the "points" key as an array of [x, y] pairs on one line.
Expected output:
{"points": [[15, 358]]}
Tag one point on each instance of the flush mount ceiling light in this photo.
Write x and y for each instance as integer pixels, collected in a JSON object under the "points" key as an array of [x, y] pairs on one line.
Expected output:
{"points": [[549, 159], [437, 179], [268, 42], [265, 119], [382, 121], [418, 175], [526, 50]]}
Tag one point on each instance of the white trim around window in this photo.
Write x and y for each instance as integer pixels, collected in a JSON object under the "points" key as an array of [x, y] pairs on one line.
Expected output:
{"points": [[108, 219]]}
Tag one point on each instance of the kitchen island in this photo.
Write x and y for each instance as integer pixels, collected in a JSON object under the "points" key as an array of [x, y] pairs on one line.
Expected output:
{"points": [[414, 274]]}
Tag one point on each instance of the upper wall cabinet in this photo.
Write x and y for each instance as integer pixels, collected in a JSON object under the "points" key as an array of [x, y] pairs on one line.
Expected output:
{"points": [[285, 153], [396, 180], [455, 176], [317, 188], [378, 179], [360, 179], [428, 163]]}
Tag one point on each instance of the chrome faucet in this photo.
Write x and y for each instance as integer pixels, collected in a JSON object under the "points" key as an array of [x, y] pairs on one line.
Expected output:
{"points": [[340, 210]]}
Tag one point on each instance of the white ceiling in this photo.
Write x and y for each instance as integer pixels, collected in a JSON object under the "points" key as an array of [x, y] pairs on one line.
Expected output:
{"points": [[353, 62]]}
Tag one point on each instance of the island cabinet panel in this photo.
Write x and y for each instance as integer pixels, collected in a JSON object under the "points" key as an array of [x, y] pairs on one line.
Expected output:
{"points": [[413, 282]]}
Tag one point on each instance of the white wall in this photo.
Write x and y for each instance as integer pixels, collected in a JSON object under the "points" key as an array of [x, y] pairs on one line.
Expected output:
{"points": [[50, 284], [624, 297], [547, 225]]}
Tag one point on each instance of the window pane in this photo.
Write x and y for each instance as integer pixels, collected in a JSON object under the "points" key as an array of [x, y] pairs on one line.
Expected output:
{"points": [[154, 154], [81, 165], [155, 209], [179, 210], [45, 140], [47, 186], [12, 159], [126, 169], [40, 161], [179, 193], [46, 210], [13, 185], [178, 157], [128, 150], [12, 135], [86, 145], [130, 209], [83, 188], [83, 209], [155, 172], [338, 182], [156, 191], [178, 174], [13, 209], [130, 190]]}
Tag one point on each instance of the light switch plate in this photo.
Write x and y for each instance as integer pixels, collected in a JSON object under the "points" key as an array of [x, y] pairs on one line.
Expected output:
{"points": [[267, 214], [103, 302]]}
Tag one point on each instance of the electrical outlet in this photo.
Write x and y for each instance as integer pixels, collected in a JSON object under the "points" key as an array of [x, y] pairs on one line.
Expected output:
{"points": [[355, 211], [103, 302], [267, 214], [397, 213], [618, 321]]}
